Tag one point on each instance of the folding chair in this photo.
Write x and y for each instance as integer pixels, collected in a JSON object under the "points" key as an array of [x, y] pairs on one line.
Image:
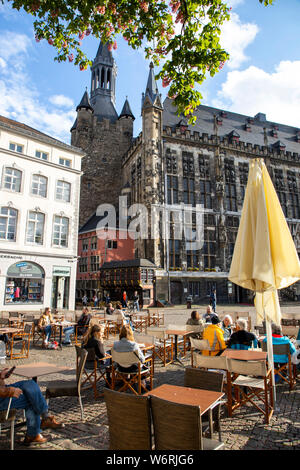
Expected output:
{"points": [[22, 339], [93, 372], [251, 380], [163, 346], [198, 345], [179, 427], [286, 370], [130, 379], [139, 322], [9, 416]]}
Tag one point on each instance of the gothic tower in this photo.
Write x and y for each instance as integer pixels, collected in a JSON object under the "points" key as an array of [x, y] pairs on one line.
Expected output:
{"points": [[104, 136]]}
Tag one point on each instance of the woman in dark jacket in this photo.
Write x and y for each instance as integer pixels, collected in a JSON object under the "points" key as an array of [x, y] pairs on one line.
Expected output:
{"points": [[93, 342]]}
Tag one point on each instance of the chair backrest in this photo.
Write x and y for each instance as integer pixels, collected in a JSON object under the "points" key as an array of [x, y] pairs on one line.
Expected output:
{"points": [[28, 328], [195, 328], [211, 362], [14, 314], [124, 359], [4, 321], [29, 318], [204, 379], [278, 349], [200, 344], [256, 368], [176, 426], [129, 421], [144, 339], [289, 330], [81, 356], [173, 326], [157, 332]]}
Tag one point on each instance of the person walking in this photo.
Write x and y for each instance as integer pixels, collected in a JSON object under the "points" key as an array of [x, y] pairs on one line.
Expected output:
{"points": [[213, 300], [124, 299], [136, 305]]}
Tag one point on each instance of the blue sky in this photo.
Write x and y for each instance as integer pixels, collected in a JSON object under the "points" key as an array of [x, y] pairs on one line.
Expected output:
{"points": [[261, 76]]}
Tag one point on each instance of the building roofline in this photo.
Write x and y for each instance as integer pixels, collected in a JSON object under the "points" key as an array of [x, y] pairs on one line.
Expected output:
{"points": [[27, 131]]}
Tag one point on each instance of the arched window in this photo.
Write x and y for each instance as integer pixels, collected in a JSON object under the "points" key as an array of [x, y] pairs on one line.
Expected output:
{"points": [[102, 78], [108, 80], [35, 227], [39, 185], [8, 223], [12, 179]]}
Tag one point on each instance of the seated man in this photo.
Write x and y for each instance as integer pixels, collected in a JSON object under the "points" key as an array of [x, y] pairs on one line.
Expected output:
{"points": [[209, 314], [26, 395], [109, 309], [195, 320], [278, 338], [82, 324], [214, 334], [242, 339]]}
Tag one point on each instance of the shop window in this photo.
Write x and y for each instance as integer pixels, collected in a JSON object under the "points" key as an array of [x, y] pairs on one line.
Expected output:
{"points": [[24, 284], [12, 179], [8, 223]]}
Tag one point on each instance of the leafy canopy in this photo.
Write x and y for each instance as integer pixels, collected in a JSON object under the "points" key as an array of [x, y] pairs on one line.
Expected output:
{"points": [[180, 36]]}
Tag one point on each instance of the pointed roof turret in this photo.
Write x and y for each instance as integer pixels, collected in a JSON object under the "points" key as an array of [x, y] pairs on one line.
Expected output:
{"points": [[85, 102], [151, 94], [126, 111], [103, 54]]}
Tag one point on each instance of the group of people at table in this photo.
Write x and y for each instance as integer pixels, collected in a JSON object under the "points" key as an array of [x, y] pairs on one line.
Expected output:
{"points": [[220, 335]]}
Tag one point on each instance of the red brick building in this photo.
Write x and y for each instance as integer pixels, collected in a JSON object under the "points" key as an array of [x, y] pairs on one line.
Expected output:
{"points": [[93, 252]]}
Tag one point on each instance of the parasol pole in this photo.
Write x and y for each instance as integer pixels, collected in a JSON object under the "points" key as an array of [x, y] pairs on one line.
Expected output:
{"points": [[270, 353]]}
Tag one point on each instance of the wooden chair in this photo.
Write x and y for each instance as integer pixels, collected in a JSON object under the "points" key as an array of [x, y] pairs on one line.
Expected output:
{"points": [[179, 427], [21, 339], [38, 334], [70, 388], [4, 322], [79, 332], [9, 416], [15, 320], [129, 421], [207, 380], [251, 380], [286, 371], [164, 347], [290, 331], [156, 319], [139, 322], [93, 372], [198, 345], [130, 379]]}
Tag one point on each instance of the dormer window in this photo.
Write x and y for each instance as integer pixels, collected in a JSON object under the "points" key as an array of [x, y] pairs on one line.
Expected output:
{"points": [[223, 114], [274, 132], [279, 145], [247, 127], [234, 136], [219, 121]]}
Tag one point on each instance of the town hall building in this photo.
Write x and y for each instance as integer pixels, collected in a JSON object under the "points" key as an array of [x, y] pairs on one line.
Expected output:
{"points": [[171, 163]]}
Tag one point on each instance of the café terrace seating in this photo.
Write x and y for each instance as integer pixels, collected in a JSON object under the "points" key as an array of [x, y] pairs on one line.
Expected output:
{"points": [[132, 381]]}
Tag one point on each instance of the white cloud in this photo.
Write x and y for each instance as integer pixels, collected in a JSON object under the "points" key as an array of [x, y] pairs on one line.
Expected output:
{"points": [[234, 3], [235, 38], [21, 100], [61, 100], [253, 90]]}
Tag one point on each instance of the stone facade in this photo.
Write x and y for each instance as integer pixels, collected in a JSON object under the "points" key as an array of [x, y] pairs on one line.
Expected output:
{"points": [[172, 163]]}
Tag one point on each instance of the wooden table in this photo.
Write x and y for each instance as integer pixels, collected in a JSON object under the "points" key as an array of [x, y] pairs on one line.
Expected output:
{"points": [[61, 325], [38, 369], [205, 399], [10, 330], [245, 354], [177, 333]]}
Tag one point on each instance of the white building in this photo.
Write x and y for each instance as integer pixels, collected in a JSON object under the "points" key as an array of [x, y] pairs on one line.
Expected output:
{"points": [[39, 208]]}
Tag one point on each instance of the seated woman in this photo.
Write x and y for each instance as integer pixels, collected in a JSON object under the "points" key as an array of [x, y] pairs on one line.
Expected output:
{"points": [[82, 325], [94, 340], [197, 321], [242, 339], [127, 343], [278, 338], [44, 324], [226, 326]]}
